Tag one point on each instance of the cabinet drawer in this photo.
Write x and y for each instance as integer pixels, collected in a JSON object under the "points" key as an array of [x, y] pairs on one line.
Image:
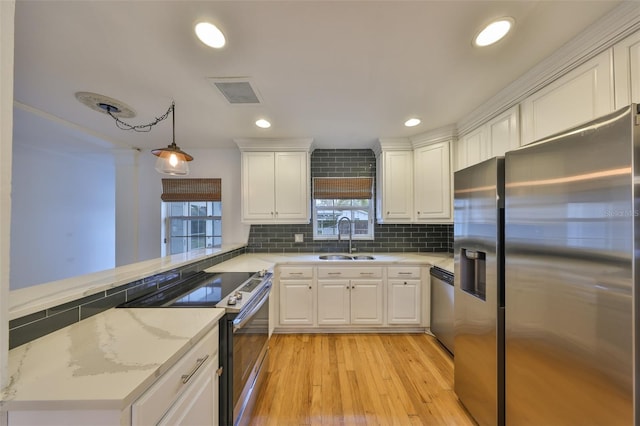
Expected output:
{"points": [[153, 404], [296, 272], [403, 272], [364, 272]]}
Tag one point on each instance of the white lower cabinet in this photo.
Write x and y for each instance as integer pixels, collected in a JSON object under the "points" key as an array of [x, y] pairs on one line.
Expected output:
{"points": [[194, 406], [350, 296], [297, 297], [187, 394], [404, 295], [342, 302], [325, 297]]}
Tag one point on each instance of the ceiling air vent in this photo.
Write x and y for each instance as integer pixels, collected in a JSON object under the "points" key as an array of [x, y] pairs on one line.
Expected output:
{"points": [[236, 90]]}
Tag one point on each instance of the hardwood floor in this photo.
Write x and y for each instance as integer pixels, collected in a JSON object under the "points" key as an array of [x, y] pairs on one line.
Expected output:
{"points": [[359, 379]]}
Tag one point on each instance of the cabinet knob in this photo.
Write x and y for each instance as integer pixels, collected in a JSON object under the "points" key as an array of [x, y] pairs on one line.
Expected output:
{"points": [[418, 212], [271, 213], [387, 212], [405, 283], [309, 287]]}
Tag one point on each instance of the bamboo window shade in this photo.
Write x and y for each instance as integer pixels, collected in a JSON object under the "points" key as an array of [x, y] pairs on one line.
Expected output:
{"points": [[192, 189], [342, 188]]}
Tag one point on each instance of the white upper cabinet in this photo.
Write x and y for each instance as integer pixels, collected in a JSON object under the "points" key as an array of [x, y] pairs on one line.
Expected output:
{"points": [[432, 165], [626, 56], [583, 94], [471, 148], [395, 186], [503, 133], [414, 179], [275, 184]]}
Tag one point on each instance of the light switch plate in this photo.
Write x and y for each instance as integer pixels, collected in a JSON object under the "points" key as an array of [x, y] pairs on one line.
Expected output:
{"points": [[298, 238]]}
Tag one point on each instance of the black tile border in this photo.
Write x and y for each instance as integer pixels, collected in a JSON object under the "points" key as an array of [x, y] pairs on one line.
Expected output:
{"points": [[30, 327]]}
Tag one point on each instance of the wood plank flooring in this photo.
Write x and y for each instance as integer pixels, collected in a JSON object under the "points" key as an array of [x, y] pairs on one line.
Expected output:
{"points": [[358, 379]]}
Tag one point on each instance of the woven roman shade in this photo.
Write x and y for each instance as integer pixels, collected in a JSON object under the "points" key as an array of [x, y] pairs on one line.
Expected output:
{"points": [[342, 188], [191, 190]]}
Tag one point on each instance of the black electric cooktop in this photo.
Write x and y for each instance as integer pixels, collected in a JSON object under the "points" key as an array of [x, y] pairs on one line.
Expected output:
{"points": [[204, 289]]}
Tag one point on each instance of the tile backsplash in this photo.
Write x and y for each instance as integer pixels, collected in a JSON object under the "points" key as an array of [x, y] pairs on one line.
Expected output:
{"points": [[388, 238]]}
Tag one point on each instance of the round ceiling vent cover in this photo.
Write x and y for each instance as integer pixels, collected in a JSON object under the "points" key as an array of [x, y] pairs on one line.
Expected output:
{"points": [[104, 104]]}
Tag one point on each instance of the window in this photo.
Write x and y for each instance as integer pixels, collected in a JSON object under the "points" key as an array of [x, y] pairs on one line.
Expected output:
{"points": [[193, 225], [192, 214], [335, 198]]}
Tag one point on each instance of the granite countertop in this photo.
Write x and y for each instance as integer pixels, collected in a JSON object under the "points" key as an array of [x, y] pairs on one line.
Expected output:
{"points": [[258, 261], [104, 362]]}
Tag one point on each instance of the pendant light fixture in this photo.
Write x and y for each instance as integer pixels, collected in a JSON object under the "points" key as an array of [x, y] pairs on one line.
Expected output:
{"points": [[172, 160]]}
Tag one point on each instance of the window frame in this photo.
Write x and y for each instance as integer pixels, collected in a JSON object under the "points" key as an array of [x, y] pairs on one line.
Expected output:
{"points": [[208, 218], [370, 236]]}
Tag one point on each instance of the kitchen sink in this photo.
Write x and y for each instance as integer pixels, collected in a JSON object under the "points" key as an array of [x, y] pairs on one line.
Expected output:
{"points": [[344, 257], [335, 257]]}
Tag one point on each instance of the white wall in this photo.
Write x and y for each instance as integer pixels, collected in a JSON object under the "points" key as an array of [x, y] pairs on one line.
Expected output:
{"points": [[207, 163], [63, 214]]}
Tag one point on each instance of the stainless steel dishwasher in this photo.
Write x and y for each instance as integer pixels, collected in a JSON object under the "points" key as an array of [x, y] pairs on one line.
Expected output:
{"points": [[442, 306]]}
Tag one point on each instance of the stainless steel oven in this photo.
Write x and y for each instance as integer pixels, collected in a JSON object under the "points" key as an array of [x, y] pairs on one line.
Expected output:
{"points": [[244, 330], [246, 338]]}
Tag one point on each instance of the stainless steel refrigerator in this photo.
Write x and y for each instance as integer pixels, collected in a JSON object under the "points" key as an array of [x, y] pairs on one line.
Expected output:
{"points": [[571, 227], [479, 290]]}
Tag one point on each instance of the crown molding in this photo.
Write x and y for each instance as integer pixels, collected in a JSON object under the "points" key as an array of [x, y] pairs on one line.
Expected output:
{"points": [[392, 144], [621, 22], [441, 134], [275, 144]]}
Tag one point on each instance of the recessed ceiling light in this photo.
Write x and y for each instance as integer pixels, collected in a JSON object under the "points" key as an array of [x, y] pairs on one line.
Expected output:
{"points": [[210, 35], [412, 122], [494, 32], [262, 123]]}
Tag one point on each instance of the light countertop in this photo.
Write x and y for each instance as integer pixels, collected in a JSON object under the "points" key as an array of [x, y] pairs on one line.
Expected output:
{"points": [[258, 261], [103, 362], [36, 298]]}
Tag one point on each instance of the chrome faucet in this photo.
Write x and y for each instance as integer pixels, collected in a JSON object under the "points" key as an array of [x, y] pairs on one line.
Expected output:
{"points": [[350, 231]]}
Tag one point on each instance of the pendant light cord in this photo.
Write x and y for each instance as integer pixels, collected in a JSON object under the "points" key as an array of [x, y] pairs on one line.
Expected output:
{"points": [[143, 127]]}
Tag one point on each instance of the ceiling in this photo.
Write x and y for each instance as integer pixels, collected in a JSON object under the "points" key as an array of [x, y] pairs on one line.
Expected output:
{"points": [[344, 73]]}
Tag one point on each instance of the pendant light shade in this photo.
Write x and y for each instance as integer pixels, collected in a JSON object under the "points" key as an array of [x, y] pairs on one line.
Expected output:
{"points": [[172, 160]]}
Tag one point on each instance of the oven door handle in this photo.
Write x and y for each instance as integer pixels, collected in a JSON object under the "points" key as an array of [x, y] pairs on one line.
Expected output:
{"points": [[244, 316]]}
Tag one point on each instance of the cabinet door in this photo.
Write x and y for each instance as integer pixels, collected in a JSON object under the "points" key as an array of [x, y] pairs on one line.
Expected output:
{"points": [[579, 96], [403, 301], [292, 200], [366, 302], [433, 183], [296, 302], [471, 148], [333, 302], [258, 187], [503, 133], [626, 55], [397, 187], [196, 405]]}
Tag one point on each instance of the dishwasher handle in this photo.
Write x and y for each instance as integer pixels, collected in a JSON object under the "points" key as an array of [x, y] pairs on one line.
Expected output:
{"points": [[442, 275]]}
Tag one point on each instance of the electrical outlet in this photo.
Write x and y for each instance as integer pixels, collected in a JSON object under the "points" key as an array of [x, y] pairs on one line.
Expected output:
{"points": [[298, 238]]}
